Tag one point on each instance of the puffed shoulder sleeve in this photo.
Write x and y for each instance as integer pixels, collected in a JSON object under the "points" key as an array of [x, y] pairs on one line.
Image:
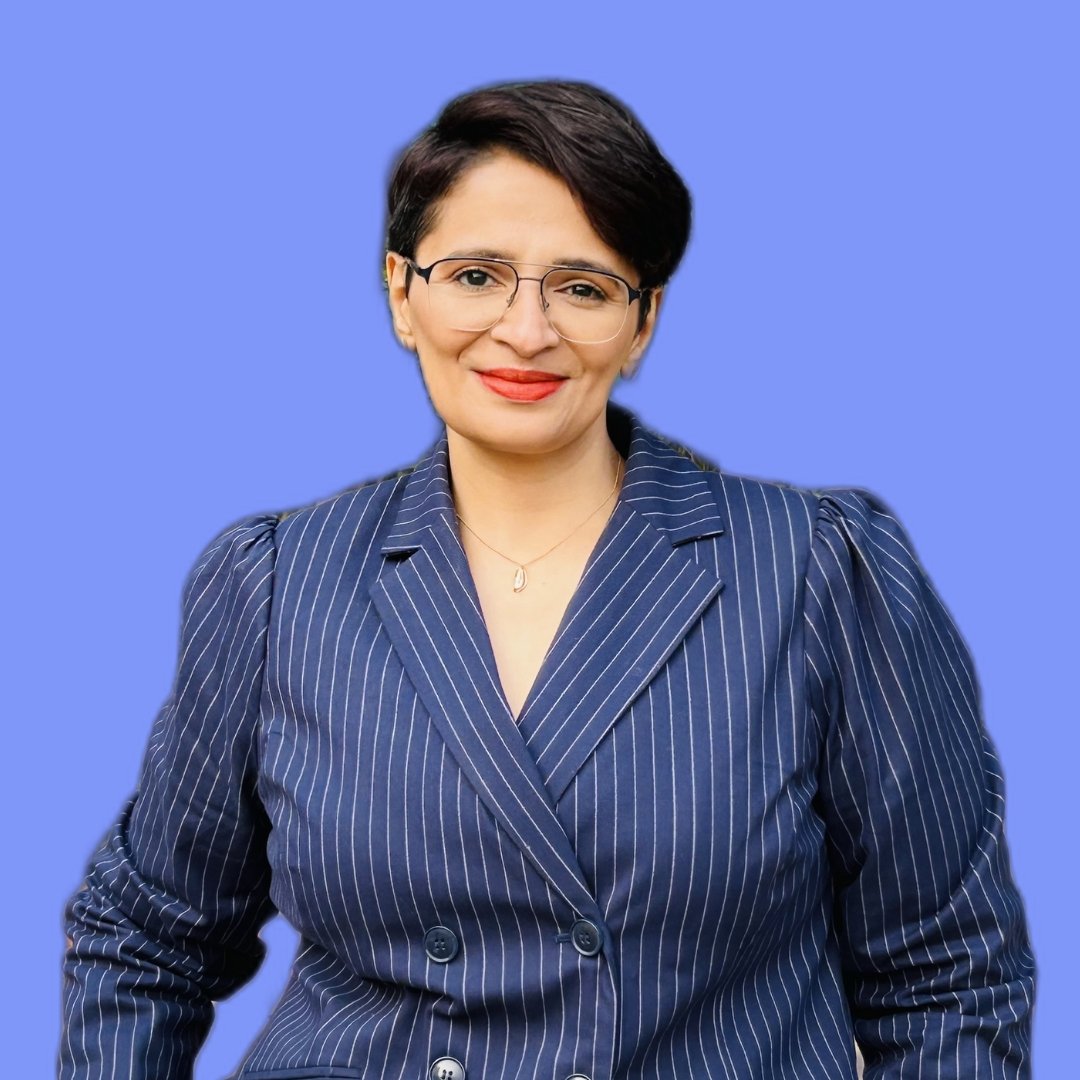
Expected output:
{"points": [[937, 963], [168, 917]]}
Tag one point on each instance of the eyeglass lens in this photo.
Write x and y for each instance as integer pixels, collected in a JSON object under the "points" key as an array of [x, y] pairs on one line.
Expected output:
{"points": [[584, 306]]}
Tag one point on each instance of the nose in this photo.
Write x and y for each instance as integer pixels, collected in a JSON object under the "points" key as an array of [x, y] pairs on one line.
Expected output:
{"points": [[524, 325]]}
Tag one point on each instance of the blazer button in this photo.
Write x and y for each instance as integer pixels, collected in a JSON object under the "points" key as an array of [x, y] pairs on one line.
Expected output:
{"points": [[578, 1076], [586, 937], [441, 945], [447, 1068]]}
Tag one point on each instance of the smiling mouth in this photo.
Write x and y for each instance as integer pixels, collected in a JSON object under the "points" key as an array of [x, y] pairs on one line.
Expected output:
{"points": [[519, 385], [522, 375]]}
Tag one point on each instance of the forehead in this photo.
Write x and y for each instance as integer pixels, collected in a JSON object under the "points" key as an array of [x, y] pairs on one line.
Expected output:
{"points": [[505, 204]]}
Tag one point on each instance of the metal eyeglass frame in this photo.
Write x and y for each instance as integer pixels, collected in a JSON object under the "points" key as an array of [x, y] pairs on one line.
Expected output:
{"points": [[634, 294]]}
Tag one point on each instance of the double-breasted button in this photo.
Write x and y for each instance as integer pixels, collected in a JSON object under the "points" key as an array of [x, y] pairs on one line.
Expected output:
{"points": [[441, 944], [586, 937], [447, 1068], [578, 1076]]}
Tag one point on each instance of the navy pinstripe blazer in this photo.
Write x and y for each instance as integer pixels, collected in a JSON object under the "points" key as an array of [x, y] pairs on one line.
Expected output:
{"points": [[751, 768]]}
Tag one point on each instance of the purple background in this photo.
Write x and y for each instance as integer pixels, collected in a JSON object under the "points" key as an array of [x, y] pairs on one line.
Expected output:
{"points": [[881, 291]]}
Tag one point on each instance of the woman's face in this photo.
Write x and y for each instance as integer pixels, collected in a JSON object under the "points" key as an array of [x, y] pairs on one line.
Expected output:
{"points": [[507, 207]]}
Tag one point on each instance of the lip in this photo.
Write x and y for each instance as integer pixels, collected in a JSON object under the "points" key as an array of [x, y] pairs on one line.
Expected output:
{"points": [[521, 384]]}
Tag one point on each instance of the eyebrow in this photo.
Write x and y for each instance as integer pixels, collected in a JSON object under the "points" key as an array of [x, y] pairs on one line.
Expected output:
{"points": [[573, 263]]}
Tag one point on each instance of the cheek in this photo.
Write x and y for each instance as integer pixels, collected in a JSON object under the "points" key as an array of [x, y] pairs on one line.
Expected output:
{"points": [[443, 366], [433, 366], [604, 362]]}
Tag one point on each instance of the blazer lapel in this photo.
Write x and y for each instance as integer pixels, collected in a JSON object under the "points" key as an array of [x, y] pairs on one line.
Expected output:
{"points": [[430, 609], [640, 593]]}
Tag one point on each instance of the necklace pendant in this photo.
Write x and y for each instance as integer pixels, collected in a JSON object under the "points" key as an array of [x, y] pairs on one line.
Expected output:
{"points": [[521, 579]]}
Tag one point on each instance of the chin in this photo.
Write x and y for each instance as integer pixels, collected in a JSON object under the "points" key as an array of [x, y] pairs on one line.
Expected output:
{"points": [[518, 430]]}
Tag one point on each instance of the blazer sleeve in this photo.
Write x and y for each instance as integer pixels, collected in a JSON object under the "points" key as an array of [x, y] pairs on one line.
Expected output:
{"points": [[168, 917], [938, 968]]}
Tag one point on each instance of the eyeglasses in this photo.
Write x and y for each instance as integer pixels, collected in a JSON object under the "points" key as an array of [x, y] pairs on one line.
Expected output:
{"points": [[587, 307]]}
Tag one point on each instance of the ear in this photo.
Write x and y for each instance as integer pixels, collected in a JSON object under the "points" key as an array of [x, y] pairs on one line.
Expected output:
{"points": [[399, 300], [644, 335]]}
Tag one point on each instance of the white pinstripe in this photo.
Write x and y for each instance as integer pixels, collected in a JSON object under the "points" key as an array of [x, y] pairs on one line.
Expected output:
{"points": [[753, 757]]}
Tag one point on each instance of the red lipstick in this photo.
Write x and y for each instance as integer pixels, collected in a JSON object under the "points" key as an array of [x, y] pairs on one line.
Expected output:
{"points": [[519, 384]]}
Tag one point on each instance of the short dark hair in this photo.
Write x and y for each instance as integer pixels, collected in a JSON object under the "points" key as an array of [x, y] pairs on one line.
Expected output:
{"points": [[631, 194]]}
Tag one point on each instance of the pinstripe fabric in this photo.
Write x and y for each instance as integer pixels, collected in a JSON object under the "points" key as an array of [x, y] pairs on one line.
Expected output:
{"points": [[752, 758]]}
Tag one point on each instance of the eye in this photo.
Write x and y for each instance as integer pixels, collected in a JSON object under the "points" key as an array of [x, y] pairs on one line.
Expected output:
{"points": [[585, 290], [474, 278]]}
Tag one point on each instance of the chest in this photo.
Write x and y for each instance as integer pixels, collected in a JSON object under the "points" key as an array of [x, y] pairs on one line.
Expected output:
{"points": [[522, 625], [384, 796]]}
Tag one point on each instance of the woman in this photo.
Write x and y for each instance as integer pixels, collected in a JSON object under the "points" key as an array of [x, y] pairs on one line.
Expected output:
{"points": [[566, 753]]}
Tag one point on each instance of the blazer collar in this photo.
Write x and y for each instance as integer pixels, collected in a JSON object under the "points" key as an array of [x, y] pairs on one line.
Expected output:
{"points": [[638, 597], [663, 481]]}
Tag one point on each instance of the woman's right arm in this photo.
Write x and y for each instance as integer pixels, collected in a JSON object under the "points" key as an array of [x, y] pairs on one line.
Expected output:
{"points": [[168, 918]]}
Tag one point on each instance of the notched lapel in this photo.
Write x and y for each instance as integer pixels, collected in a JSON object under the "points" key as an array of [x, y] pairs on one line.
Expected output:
{"points": [[430, 610], [640, 595], [637, 600]]}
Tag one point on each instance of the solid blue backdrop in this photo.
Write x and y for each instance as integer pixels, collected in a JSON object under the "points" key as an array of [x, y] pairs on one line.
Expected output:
{"points": [[194, 329]]}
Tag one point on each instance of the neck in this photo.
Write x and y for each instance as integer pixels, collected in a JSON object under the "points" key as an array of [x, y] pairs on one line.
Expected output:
{"points": [[523, 501]]}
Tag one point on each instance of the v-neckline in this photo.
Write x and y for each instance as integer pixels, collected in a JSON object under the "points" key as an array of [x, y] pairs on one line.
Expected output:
{"points": [[637, 595], [573, 605]]}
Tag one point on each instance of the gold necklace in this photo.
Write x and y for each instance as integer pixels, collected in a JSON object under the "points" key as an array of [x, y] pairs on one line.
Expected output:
{"points": [[521, 577]]}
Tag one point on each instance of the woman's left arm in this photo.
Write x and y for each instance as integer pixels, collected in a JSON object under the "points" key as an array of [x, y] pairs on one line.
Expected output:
{"points": [[938, 967]]}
